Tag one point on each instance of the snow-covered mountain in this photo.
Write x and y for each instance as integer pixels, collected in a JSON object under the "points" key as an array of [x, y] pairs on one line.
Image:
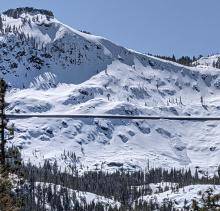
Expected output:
{"points": [[53, 68]]}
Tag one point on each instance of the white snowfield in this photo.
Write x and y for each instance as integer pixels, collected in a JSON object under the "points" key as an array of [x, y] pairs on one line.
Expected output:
{"points": [[207, 62], [185, 195], [54, 69], [81, 196]]}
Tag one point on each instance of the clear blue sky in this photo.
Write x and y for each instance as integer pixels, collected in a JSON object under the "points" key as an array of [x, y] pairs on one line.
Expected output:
{"points": [[166, 27]]}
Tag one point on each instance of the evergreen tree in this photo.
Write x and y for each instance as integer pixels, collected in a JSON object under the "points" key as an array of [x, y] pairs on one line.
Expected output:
{"points": [[9, 162], [217, 64], [3, 87], [1, 23]]}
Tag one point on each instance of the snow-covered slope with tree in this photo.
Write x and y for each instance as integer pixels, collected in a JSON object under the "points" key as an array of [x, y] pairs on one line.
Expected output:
{"points": [[53, 68], [209, 61], [185, 198]]}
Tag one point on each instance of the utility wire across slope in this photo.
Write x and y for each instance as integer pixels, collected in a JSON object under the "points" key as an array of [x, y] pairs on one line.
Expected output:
{"points": [[108, 116]]}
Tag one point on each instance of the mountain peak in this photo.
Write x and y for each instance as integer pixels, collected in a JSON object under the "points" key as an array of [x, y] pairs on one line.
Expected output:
{"points": [[16, 13]]}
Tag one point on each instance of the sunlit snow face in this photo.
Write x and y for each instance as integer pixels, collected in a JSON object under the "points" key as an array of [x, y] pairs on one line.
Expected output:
{"points": [[53, 68]]}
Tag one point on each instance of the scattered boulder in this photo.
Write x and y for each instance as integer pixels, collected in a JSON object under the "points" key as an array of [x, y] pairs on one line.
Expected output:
{"points": [[115, 164], [123, 138], [164, 132]]}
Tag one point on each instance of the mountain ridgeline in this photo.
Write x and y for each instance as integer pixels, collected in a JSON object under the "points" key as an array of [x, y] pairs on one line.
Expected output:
{"points": [[37, 50], [16, 13]]}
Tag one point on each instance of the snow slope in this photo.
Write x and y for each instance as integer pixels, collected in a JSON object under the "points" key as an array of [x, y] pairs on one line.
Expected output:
{"points": [[53, 68], [207, 62], [80, 196], [185, 195]]}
